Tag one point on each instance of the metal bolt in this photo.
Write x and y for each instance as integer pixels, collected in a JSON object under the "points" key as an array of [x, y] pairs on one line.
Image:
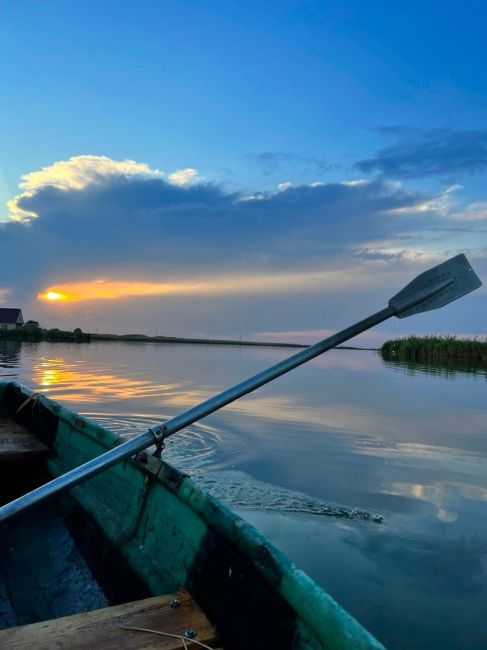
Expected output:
{"points": [[190, 634], [175, 603]]}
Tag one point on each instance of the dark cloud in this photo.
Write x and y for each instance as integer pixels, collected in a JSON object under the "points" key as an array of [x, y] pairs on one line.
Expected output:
{"points": [[421, 153], [136, 222], [280, 162]]}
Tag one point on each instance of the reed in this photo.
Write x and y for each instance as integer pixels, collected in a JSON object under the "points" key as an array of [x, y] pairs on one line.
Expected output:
{"points": [[436, 347]]}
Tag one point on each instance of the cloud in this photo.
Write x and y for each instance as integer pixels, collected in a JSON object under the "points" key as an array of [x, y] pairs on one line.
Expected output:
{"points": [[441, 203], [185, 176], [395, 250], [4, 293], [476, 211], [119, 214], [419, 153], [285, 163], [79, 172]]}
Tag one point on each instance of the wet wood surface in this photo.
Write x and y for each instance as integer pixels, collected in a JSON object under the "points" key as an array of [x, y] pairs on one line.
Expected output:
{"points": [[106, 628]]}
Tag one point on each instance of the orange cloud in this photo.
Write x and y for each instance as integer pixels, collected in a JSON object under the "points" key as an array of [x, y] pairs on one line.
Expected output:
{"points": [[112, 289], [368, 275]]}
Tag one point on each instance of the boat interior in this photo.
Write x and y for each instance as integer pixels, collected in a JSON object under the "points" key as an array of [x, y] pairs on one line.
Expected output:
{"points": [[61, 588]]}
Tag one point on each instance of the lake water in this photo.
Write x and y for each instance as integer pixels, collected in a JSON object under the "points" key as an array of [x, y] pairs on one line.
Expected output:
{"points": [[371, 475]]}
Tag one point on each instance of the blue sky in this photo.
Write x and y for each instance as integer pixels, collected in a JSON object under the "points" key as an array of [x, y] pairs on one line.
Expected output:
{"points": [[330, 151]]}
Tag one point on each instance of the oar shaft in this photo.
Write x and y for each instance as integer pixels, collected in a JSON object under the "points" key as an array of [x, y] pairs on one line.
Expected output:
{"points": [[77, 475], [133, 446]]}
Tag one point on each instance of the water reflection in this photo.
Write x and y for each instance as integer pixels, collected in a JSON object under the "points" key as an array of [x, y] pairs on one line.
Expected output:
{"points": [[446, 497], [417, 584], [75, 381], [447, 368], [9, 357]]}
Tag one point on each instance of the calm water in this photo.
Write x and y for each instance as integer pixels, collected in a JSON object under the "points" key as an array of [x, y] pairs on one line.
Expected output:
{"points": [[310, 457]]}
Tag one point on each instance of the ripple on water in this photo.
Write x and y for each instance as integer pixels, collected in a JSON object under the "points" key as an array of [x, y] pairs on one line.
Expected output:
{"points": [[240, 490], [195, 447], [198, 450]]}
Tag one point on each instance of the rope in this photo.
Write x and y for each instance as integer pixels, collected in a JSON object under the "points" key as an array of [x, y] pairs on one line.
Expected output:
{"points": [[174, 636], [25, 402]]}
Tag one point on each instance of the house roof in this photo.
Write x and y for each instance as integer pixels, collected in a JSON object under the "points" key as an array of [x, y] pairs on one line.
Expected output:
{"points": [[9, 315]]}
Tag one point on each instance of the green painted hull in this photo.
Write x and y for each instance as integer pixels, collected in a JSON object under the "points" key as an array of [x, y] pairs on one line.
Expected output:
{"points": [[174, 535]]}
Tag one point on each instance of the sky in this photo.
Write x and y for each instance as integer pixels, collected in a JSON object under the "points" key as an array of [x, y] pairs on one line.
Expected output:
{"points": [[266, 170]]}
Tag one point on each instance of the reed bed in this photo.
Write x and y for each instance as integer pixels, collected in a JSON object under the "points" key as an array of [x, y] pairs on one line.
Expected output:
{"points": [[436, 347]]}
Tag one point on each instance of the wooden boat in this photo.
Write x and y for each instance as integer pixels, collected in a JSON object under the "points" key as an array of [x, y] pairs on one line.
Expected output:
{"points": [[168, 557]]}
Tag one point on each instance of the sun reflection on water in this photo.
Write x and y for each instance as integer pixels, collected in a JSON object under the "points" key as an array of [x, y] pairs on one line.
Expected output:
{"points": [[76, 382]]}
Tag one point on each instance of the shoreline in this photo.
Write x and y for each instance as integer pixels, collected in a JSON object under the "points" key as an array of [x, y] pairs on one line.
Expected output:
{"points": [[143, 338], [60, 336]]}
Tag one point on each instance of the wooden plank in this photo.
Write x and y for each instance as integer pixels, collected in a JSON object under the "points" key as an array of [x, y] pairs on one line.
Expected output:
{"points": [[16, 443], [103, 628]]}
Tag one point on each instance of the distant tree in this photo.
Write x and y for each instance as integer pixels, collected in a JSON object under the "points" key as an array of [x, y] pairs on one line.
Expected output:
{"points": [[32, 332]]}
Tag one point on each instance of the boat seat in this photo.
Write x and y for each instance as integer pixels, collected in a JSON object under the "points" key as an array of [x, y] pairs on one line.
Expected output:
{"points": [[107, 628], [16, 443]]}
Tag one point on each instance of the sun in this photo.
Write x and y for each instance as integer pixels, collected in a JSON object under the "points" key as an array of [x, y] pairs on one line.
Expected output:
{"points": [[52, 295]]}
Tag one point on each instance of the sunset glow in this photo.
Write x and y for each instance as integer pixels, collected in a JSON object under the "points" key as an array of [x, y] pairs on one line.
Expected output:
{"points": [[112, 289], [225, 285]]}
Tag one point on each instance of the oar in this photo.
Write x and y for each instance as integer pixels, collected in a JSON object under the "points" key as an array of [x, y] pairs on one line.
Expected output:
{"points": [[430, 290]]}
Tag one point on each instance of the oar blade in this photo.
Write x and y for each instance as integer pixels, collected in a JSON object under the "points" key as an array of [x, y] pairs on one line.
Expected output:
{"points": [[437, 287]]}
